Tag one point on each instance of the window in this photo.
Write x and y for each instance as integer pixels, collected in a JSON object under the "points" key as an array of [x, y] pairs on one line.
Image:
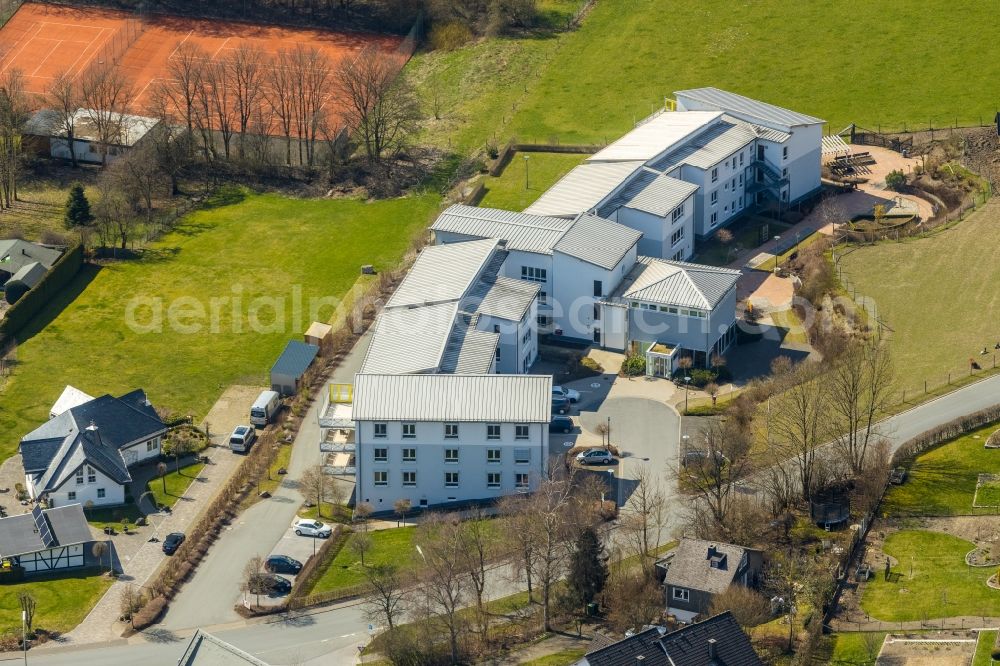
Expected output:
{"points": [[533, 274], [726, 186], [734, 161], [100, 493], [597, 312], [522, 456], [493, 455], [715, 175], [497, 354], [521, 480], [715, 198], [382, 478], [543, 298], [700, 314], [71, 495], [451, 455], [79, 476], [526, 337], [380, 430], [521, 432], [598, 288], [409, 430], [725, 208], [493, 431], [741, 159], [451, 431], [451, 479], [91, 474], [597, 336], [493, 479], [682, 594], [381, 455], [679, 255], [543, 320], [151, 445], [677, 236], [741, 179], [409, 479], [784, 173], [784, 153], [496, 328], [677, 214], [714, 219], [409, 455]]}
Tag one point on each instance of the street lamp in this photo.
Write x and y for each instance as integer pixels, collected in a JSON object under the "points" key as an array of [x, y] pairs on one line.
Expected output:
{"points": [[687, 382], [777, 240], [24, 635], [526, 172]]}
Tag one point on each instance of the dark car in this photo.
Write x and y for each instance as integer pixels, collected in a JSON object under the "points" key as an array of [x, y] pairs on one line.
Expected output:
{"points": [[173, 542], [269, 583], [560, 405], [283, 564], [561, 424]]}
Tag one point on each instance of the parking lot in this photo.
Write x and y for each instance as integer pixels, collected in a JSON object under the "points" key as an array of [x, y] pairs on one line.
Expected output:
{"points": [[299, 548]]}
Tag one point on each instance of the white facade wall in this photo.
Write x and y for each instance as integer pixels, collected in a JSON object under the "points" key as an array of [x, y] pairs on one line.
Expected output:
{"points": [[72, 492], [142, 451], [473, 465], [86, 151], [63, 557], [804, 159], [728, 188], [514, 267], [518, 345], [575, 293], [658, 232]]}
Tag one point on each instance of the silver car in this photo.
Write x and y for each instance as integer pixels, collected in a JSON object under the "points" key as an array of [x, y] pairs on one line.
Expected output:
{"points": [[595, 457], [313, 528]]}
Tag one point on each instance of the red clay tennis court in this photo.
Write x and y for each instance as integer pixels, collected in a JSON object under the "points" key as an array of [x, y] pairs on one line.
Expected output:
{"points": [[44, 41]]}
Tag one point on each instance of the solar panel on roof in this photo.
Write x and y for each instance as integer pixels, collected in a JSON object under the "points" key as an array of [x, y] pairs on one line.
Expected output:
{"points": [[42, 527]]}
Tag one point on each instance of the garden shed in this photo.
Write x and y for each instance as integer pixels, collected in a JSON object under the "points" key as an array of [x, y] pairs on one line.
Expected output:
{"points": [[321, 335], [287, 371]]}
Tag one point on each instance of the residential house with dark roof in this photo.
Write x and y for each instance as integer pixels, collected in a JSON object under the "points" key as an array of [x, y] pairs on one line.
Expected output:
{"points": [[718, 641], [46, 540], [25, 260], [697, 570], [84, 453]]}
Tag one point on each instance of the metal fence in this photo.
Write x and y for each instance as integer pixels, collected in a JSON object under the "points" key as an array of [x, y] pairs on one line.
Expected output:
{"points": [[116, 46], [7, 9]]}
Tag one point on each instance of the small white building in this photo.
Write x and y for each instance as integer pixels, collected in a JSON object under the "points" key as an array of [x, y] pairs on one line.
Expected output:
{"points": [[44, 541], [437, 439], [49, 129], [83, 454]]}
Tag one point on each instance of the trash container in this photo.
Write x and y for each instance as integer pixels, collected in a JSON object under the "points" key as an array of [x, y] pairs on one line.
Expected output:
{"points": [[591, 610]]}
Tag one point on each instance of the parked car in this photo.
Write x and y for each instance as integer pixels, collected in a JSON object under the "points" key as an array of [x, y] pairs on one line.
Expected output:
{"points": [[569, 394], [173, 542], [560, 405], [313, 528], [283, 564], [897, 476], [561, 424], [595, 457], [242, 438], [269, 583]]}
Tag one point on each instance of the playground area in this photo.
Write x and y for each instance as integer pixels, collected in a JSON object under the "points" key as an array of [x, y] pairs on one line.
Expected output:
{"points": [[45, 41]]}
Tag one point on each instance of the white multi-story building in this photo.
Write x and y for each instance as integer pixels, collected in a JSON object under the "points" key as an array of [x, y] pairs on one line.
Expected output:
{"points": [[436, 439], [682, 175]]}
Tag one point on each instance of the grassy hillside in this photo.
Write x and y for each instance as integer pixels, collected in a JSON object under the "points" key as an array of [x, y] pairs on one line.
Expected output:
{"points": [[261, 252]]}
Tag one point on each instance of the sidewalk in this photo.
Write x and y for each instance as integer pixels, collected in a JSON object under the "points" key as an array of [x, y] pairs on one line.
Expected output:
{"points": [[960, 622]]}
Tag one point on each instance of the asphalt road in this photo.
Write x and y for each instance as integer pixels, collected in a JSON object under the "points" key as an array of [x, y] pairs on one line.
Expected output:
{"points": [[211, 595]]}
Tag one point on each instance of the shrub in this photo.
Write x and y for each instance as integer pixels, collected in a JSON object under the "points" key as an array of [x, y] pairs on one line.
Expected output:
{"points": [[594, 366], [449, 36], [702, 377], [150, 613], [895, 180], [634, 365], [14, 290]]}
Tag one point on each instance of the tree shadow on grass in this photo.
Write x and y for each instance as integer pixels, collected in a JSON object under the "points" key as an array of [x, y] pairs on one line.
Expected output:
{"points": [[57, 304], [922, 492]]}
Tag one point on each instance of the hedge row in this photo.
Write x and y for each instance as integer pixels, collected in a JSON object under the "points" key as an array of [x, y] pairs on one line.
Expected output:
{"points": [[944, 432], [61, 274], [311, 572]]}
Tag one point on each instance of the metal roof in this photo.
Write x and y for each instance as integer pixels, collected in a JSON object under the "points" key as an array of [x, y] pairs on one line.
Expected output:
{"points": [[745, 106], [768, 133], [30, 274], [408, 340], [469, 351], [207, 650], [442, 397], [677, 283], [656, 135], [442, 273], [583, 188], [598, 241], [295, 359], [712, 146], [651, 192], [18, 535], [507, 298], [527, 233], [48, 122]]}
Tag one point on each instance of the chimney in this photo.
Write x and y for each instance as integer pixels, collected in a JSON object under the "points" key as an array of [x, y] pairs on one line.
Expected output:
{"points": [[93, 432], [711, 552], [711, 648]]}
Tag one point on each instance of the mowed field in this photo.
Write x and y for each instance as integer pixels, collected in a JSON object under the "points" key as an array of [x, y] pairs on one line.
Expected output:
{"points": [[939, 294], [526, 178], [226, 284]]}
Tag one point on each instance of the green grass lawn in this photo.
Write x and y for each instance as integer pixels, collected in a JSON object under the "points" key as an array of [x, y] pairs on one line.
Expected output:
{"points": [[508, 190], [176, 482], [855, 648], [939, 296], [62, 601], [988, 494], [393, 546], [112, 516], [790, 322], [561, 658], [942, 480], [247, 250], [941, 584], [984, 648]]}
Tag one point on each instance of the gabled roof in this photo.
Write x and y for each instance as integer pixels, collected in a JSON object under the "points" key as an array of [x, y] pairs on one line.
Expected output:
{"points": [[69, 398], [690, 646], [691, 565], [48, 123], [447, 397], [656, 135], [16, 253], [640, 649], [30, 274], [86, 446], [583, 188], [762, 132], [650, 192], [746, 108], [19, 536], [295, 359], [507, 298], [204, 649], [469, 351], [523, 232], [710, 147], [408, 340], [442, 273], [677, 283], [598, 241]]}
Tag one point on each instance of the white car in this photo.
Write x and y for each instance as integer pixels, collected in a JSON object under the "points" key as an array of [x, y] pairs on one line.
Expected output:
{"points": [[594, 457], [313, 528], [569, 394]]}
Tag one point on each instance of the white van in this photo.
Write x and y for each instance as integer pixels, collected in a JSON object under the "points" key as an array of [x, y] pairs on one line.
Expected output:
{"points": [[264, 408]]}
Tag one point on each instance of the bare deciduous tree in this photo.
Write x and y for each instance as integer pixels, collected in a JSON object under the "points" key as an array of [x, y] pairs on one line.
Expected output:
{"points": [[478, 548], [316, 485], [800, 422], [218, 86], [386, 601], [247, 70], [749, 607], [28, 604], [14, 113], [107, 94], [520, 539], [548, 510], [280, 98], [253, 582], [64, 99], [443, 577], [713, 475], [361, 543], [644, 518], [861, 384]]}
